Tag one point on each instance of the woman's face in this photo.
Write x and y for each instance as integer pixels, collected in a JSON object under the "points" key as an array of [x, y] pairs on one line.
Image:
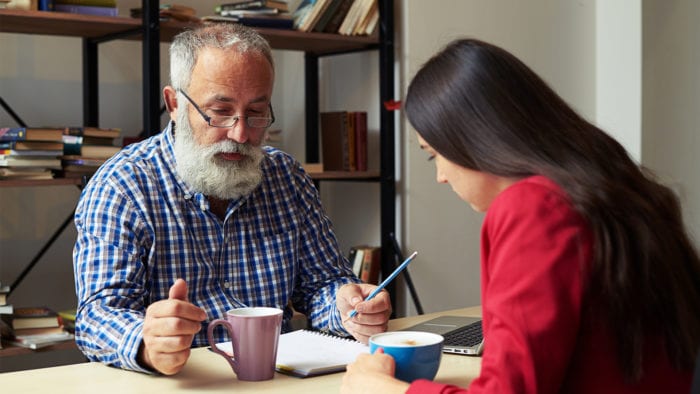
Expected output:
{"points": [[476, 188]]}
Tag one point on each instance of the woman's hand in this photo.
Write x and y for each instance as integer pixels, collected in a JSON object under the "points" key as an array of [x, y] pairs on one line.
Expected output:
{"points": [[372, 373]]}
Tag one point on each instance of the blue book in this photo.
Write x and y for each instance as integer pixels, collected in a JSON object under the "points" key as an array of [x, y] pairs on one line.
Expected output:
{"points": [[13, 133], [45, 5], [31, 134], [86, 9]]}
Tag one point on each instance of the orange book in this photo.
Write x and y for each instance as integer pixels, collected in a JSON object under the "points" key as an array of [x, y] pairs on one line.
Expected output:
{"points": [[371, 264]]}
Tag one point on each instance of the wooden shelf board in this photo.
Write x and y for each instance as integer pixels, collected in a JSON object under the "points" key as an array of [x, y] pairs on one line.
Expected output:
{"points": [[40, 182], [372, 175], [90, 26], [63, 24], [12, 350]]}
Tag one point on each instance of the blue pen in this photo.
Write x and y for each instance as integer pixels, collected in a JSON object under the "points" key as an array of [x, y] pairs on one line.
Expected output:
{"points": [[386, 281]]}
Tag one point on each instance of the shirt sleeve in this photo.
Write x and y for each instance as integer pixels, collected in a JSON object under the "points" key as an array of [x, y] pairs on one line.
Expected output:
{"points": [[535, 250], [109, 276], [323, 267]]}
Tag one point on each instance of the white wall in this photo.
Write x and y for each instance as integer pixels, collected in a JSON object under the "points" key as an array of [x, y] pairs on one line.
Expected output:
{"points": [[555, 38], [671, 93], [619, 72]]}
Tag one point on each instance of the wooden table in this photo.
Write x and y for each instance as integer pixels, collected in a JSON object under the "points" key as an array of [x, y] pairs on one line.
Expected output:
{"points": [[208, 372]]}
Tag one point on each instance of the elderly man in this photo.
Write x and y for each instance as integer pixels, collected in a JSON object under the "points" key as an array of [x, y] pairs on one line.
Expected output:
{"points": [[201, 218]]}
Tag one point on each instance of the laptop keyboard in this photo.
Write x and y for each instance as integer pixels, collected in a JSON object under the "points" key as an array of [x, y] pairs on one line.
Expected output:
{"points": [[469, 335]]}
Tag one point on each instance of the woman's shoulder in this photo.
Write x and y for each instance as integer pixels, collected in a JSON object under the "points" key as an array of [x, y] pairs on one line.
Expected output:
{"points": [[535, 186], [536, 195]]}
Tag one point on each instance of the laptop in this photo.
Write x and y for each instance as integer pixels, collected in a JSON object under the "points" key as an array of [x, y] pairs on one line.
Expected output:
{"points": [[462, 334]]}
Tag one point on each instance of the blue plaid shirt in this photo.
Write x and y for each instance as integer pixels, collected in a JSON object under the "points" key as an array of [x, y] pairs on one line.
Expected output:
{"points": [[140, 227]]}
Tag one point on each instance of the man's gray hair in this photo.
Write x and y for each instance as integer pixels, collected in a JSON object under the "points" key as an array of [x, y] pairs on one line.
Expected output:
{"points": [[187, 45]]}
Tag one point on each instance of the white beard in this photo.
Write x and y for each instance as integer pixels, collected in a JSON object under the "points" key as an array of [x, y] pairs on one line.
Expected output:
{"points": [[203, 171]]}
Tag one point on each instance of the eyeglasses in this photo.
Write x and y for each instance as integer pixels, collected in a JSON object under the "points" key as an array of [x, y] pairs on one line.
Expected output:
{"points": [[255, 122]]}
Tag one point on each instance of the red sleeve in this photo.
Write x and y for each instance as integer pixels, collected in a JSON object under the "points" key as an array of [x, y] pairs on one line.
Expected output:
{"points": [[427, 387], [535, 248]]}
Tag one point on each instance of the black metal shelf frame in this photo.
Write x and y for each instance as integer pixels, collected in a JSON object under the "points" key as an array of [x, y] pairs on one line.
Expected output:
{"points": [[387, 178], [150, 31]]}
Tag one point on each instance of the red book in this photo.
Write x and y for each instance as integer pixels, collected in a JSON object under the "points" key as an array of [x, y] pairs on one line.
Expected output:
{"points": [[360, 140]]}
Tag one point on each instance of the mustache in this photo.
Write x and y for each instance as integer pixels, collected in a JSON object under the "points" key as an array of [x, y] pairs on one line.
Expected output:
{"points": [[228, 146]]}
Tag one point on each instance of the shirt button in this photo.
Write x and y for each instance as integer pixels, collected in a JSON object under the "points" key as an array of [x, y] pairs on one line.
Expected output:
{"points": [[227, 284]]}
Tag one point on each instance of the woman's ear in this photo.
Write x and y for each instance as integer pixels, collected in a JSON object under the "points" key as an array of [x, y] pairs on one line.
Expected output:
{"points": [[170, 100]]}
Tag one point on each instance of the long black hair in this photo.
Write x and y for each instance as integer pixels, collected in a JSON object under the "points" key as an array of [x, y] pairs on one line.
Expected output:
{"points": [[482, 108]]}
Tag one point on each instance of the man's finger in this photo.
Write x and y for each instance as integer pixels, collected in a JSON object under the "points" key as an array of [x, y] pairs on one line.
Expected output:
{"points": [[178, 291]]}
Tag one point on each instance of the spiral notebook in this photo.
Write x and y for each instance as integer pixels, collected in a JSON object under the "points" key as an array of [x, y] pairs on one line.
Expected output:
{"points": [[305, 353]]}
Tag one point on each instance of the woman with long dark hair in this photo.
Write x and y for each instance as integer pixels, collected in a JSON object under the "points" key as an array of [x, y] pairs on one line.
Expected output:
{"points": [[590, 282]]}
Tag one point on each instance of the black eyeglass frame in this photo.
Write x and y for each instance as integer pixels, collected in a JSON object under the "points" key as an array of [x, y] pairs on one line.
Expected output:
{"points": [[235, 118]]}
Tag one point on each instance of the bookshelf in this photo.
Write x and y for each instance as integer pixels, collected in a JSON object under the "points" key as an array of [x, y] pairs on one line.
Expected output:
{"points": [[41, 182], [12, 350], [94, 30]]}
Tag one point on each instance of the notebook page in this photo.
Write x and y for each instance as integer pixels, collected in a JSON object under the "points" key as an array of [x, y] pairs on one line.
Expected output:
{"points": [[308, 353]]}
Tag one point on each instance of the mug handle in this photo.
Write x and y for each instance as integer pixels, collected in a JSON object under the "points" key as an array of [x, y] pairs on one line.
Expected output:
{"points": [[212, 343]]}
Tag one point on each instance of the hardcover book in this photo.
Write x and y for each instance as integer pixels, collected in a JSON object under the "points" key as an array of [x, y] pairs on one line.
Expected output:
{"points": [[30, 134], [253, 4], [370, 265], [334, 141], [92, 132], [98, 3], [34, 317], [39, 338], [338, 16], [86, 10], [361, 140]]}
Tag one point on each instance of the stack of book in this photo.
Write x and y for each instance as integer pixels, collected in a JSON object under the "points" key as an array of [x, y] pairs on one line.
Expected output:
{"points": [[35, 327], [257, 13], [85, 149], [344, 140], [166, 12], [87, 7], [346, 17], [30, 152]]}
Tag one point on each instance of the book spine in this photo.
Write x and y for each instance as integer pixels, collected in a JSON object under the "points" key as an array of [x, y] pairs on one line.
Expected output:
{"points": [[370, 265], [326, 16], [76, 131], [86, 10], [333, 125], [352, 166], [98, 3], [45, 5], [338, 16], [267, 22], [239, 6], [361, 140], [13, 133]]}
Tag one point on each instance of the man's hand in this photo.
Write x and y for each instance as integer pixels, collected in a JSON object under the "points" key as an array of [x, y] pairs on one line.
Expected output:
{"points": [[168, 330], [372, 316]]}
